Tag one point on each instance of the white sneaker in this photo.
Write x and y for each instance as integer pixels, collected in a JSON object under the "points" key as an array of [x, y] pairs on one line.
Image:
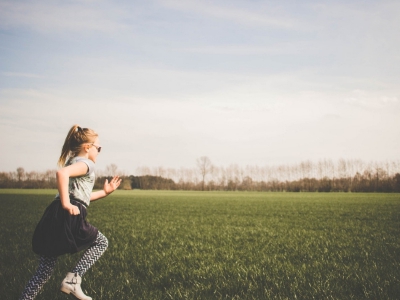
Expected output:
{"points": [[72, 285]]}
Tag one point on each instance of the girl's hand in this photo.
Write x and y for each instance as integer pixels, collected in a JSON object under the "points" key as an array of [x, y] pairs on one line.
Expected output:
{"points": [[73, 210], [112, 186]]}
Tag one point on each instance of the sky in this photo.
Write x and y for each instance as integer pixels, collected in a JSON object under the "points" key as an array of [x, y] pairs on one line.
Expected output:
{"points": [[242, 82]]}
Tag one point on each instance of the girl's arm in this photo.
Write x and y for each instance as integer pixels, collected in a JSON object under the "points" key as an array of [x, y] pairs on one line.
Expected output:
{"points": [[63, 175], [108, 188]]}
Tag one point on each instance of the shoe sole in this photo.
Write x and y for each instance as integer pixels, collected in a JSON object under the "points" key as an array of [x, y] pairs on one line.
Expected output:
{"points": [[68, 292]]}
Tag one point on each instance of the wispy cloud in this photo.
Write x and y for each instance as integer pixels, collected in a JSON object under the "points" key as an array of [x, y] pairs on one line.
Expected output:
{"points": [[228, 12], [27, 75], [282, 48], [53, 16], [371, 100], [370, 22]]}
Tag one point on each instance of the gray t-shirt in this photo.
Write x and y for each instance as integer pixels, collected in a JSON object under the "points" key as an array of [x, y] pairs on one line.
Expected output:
{"points": [[81, 187]]}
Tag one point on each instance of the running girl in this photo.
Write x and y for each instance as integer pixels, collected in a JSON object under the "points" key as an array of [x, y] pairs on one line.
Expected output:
{"points": [[63, 227]]}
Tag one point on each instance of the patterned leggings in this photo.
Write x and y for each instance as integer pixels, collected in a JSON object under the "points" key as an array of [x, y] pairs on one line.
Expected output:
{"points": [[47, 264]]}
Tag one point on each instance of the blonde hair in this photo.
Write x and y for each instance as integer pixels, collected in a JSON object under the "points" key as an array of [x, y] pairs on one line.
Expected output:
{"points": [[75, 138]]}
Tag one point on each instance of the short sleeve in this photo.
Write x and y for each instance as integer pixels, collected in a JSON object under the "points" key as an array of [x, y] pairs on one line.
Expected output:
{"points": [[88, 162]]}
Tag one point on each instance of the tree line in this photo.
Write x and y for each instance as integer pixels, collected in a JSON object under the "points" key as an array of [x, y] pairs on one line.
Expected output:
{"points": [[307, 176]]}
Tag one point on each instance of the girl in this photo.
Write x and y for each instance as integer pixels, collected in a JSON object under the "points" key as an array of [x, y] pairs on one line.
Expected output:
{"points": [[63, 227]]}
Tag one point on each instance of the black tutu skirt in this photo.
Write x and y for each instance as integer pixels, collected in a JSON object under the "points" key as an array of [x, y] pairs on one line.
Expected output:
{"points": [[59, 233]]}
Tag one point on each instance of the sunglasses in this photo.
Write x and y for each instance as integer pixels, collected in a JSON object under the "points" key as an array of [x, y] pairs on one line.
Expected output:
{"points": [[97, 147]]}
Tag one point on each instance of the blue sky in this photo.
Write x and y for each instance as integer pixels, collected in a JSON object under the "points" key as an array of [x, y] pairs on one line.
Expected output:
{"points": [[165, 82]]}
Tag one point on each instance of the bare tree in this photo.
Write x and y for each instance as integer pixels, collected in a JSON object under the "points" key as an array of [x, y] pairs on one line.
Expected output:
{"points": [[205, 166], [20, 173], [111, 170]]}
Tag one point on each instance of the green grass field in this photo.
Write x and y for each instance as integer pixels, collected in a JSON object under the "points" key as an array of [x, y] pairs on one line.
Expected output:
{"points": [[219, 245]]}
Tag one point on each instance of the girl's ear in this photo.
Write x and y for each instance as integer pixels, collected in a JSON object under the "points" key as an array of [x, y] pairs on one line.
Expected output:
{"points": [[86, 147]]}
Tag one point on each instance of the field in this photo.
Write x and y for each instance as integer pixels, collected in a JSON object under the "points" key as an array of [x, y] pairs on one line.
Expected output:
{"points": [[219, 245]]}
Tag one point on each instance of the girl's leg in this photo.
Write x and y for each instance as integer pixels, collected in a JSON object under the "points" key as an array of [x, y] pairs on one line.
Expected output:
{"points": [[91, 255], [43, 273]]}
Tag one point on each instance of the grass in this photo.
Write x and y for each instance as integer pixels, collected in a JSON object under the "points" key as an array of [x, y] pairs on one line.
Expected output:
{"points": [[219, 245]]}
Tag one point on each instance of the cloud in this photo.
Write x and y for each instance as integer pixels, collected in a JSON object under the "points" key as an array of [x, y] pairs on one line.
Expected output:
{"points": [[372, 24], [235, 14], [278, 48], [56, 16], [370, 100], [16, 74]]}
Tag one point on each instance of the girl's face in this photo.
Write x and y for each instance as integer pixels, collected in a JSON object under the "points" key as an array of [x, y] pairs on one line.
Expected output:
{"points": [[94, 150]]}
